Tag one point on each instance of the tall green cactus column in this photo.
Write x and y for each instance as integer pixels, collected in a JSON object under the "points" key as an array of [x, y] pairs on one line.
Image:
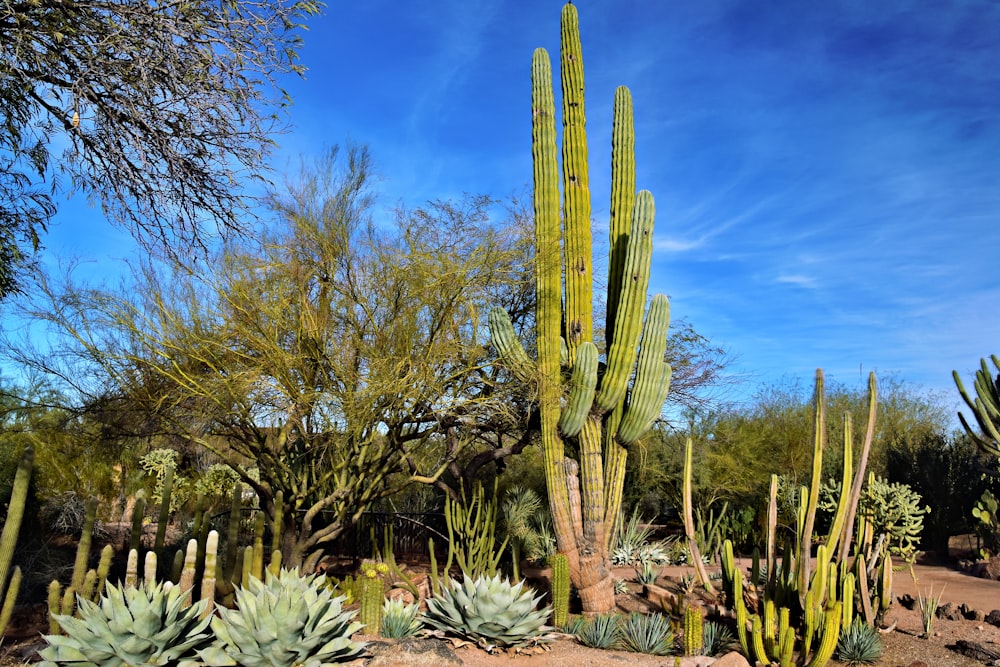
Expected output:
{"points": [[596, 411]]}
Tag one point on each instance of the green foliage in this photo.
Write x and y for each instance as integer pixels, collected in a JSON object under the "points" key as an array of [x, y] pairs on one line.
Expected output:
{"points": [[472, 533], [131, 626], [647, 633], [716, 638], [284, 621], [632, 545], [156, 463], [489, 611], [859, 644], [985, 407], [985, 512], [599, 631], [893, 510], [400, 620], [527, 524]]}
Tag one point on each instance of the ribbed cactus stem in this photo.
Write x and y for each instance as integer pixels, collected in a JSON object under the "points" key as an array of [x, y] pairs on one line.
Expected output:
{"points": [[68, 604], [83, 546], [10, 599], [208, 578], [233, 533], [560, 589], [103, 569], [279, 513], [54, 599], [652, 375], [89, 585], [138, 514], [15, 513], [132, 569], [693, 630], [581, 394], [186, 581], [831, 633], [149, 569], [258, 546], [165, 493], [372, 595], [274, 567], [246, 570]]}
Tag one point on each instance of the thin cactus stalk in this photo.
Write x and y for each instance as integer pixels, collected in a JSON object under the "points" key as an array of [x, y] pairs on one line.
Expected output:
{"points": [[208, 578], [138, 514], [10, 598], [186, 581], [257, 562], [54, 604], [233, 534], [820, 600], [560, 589], [132, 568], [83, 547], [103, 570], [602, 417], [149, 568], [161, 524], [15, 513], [246, 571], [985, 406], [279, 510], [692, 542]]}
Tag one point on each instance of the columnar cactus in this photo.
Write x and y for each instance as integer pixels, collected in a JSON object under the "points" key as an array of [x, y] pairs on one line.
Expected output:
{"points": [[11, 528], [600, 415], [560, 589], [985, 406]]}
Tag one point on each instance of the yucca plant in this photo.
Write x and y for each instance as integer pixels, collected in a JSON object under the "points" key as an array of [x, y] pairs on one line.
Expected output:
{"points": [[601, 631], [399, 619], [647, 633], [131, 627], [716, 638], [859, 644], [489, 611], [283, 621]]}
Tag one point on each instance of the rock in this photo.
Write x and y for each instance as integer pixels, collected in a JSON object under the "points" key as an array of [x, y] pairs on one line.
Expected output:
{"points": [[908, 601], [992, 569], [970, 614], [400, 594], [993, 618], [976, 651], [411, 652], [731, 659], [918, 663], [658, 595]]}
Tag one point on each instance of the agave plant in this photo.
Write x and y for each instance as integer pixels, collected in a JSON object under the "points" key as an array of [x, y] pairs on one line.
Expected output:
{"points": [[131, 626], [600, 631], [859, 644], [716, 638], [489, 611], [283, 621], [399, 619], [647, 633]]}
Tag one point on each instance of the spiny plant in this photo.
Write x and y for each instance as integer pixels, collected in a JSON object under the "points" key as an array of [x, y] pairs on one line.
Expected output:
{"points": [[647, 633], [600, 631], [859, 644], [716, 638], [400, 620], [132, 626], [8, 538], [283, 621], [489, 611], [598, 414]]}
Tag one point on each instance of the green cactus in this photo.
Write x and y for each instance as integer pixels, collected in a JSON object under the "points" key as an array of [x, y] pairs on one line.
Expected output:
{"points": [[560, 589], [694, 623], [11, 527], [83, 546], [372, 596], [138, 513], [601, 416], [472, 533], [165, 493], [985, 407], [802, 593]]}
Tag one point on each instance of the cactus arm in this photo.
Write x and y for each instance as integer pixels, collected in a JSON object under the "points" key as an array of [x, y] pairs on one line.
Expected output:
{"points": [[576, 187], [581, 393], [652, 377], [15, 513], [622, 198], [630, 302], [548, 291], [161, 524], [859, 473], [83, 547], [831, 633], [560, 589], [13, 588], [837, 526], [508, 346], [819, 444]]}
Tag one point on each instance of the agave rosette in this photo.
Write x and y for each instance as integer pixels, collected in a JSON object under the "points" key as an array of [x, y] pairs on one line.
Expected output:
{"points": [[489, 611]]}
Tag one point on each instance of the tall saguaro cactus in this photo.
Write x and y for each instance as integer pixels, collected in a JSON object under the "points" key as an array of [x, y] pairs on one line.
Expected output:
{"points": [[600, 408]]}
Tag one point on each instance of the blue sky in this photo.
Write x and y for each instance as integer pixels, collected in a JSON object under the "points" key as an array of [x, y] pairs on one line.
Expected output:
{"points": [[827, 175]]}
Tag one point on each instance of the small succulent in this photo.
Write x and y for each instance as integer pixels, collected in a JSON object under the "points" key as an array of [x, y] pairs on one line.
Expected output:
{"points": [[859, 644], [489, 611], [146, 625], [283, 621], [600, 631], [399, 620], [716, 638], [647, 633]]}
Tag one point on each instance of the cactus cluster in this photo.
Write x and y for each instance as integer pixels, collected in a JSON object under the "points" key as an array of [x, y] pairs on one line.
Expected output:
{"points": [[798, 610], [488, 610], [601, 411]]}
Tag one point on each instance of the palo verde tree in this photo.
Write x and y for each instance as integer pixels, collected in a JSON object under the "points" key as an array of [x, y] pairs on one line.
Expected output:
{"points": [[165, 109], [596, 410], [334, 360]]}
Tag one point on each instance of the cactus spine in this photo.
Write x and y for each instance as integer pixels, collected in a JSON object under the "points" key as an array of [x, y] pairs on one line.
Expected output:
{"points": [[560, 589], [601, 416], [11, 528]]}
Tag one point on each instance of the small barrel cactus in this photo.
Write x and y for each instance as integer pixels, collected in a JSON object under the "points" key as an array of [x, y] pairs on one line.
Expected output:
{"points": [[489, 611], [285, 620], [147, 625]]}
